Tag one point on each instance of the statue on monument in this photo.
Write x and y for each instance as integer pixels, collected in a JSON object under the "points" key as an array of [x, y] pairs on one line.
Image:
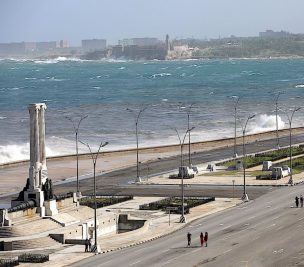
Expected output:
{"points": [[48, 189]]}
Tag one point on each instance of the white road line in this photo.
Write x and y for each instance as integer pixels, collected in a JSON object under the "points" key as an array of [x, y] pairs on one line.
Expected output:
{"points": [[134, 263], [227, 251]]}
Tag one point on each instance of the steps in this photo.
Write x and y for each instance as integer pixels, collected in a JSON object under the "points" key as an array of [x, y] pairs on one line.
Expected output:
{"points": [[7, 232], [42, 242]]}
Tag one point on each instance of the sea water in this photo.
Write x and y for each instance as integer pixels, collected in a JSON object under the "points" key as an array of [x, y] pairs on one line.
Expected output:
{"points": [[106, 91]]}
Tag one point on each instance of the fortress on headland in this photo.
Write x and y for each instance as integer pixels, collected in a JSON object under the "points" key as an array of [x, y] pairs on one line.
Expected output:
{"points": [[268, 44]]}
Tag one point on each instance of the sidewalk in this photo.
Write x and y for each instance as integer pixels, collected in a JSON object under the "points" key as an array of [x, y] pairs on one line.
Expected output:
{"points": [[157, 226]]}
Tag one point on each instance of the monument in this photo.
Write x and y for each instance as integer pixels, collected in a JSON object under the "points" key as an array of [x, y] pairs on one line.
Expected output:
{"points": [[38, 186]]}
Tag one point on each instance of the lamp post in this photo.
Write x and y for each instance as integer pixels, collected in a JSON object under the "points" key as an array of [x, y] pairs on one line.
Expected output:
{"points": [[76, 128], [181, 142], [277, 123], [94, 157], [236, 101], [136, 133], [245, 196], [188, 116], [290, 151]]}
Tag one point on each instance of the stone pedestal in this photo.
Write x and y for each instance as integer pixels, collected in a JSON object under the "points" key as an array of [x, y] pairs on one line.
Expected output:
{"points": [[50, 207], [36, 195]]}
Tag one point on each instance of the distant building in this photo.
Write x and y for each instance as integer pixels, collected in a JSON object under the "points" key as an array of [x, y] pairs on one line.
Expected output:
{"points": [[94, 44], [63, 44], [46, 46], [146, 41], [274, 35]]}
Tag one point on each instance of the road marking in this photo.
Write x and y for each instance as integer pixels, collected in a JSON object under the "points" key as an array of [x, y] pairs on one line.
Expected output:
{"points": [[270, 226], [182, 255], [134, 263], [227, 251], [276, 217], [251, 217]]}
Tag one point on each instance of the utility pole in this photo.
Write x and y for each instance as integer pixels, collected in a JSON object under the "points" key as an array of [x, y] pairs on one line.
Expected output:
{"points": [[76, 129], [94, 157]]}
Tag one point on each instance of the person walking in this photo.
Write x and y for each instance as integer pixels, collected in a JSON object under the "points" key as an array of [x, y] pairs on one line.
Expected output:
{"points": [[90, 244], [202, 239], [206, 238], [189, 239], [86, 245], [297, 201], [301, 200]]}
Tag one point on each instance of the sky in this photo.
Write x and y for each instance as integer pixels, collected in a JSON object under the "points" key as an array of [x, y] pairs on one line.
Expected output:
{"points": [[74, 20]]}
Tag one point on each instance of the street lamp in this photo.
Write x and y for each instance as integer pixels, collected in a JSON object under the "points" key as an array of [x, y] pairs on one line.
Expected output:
{"points": [[94, 157], [76, 128], [181, 142], [236, 101], [136, 132], [188, 116], [245, 196], [290, 151], [277, 123]]}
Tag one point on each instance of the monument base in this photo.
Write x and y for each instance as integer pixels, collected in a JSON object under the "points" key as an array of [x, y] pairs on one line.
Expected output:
{"points": [[37, 196], [50, 207]]}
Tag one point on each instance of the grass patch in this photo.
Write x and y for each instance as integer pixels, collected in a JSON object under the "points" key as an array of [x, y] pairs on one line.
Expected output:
{"points": [[257, 159]]}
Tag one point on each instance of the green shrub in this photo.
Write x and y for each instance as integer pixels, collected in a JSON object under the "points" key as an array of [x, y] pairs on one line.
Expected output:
{"points": [[33, 258]]}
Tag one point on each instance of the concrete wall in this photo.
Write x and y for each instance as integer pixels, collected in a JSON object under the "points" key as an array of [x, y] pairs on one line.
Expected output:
{"points": [[21, 213], [124, 224]]}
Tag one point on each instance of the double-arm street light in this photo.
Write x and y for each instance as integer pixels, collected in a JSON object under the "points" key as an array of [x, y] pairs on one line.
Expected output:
{"points": [[76, 128], [189, 131], [290, 151], [181, 142], [245, 196], [94, 157], [236, 101], [277, 123], [137, 116]]}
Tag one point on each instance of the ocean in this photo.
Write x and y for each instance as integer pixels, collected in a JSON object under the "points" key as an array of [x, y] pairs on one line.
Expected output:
{"points": [[105, 90]]}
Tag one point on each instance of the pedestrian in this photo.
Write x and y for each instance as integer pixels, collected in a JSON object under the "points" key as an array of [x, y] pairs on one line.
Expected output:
{"points": [[189, 239], [86, 245], [202, 239], [90, 244], [301, 200], [206, 238], [297, 201]]}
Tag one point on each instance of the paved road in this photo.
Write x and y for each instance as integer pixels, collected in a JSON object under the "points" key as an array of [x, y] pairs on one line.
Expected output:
{"points": [[265, 232], [116, 182]]}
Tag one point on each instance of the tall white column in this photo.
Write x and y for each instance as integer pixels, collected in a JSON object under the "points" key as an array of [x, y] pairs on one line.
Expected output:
{"points": [[44, 173]]}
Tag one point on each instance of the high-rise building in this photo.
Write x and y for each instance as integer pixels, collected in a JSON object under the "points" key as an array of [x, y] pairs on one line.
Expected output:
{"points": [[94, 44]]}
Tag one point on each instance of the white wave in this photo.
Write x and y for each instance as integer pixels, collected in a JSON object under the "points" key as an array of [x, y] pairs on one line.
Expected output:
{"points": [[11, 153], [263, 123], [55, 146], [121, 68], [30, 78], [164, 74], [165, 100], [2, 118], [57, 60], [53, 79], [299, 86]]}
